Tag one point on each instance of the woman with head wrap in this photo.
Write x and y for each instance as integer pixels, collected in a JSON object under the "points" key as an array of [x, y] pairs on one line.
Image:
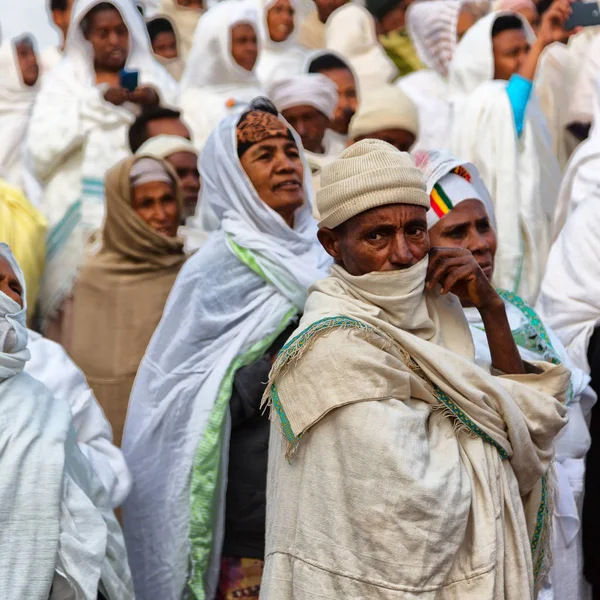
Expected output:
{"points": [[60, 538], [165, 45], [435, 28], [121, 291], [462, 216], [78, 130], [280, 54], [220, 78], [196, 439], [184, 15]]}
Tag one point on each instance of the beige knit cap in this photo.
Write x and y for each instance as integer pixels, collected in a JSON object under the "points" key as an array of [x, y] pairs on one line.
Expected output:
{"points": [[368, 174]]}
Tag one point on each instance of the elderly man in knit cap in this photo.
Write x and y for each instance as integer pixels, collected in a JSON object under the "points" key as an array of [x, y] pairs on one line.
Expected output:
{"points": [[386, 113], [397, 467]]}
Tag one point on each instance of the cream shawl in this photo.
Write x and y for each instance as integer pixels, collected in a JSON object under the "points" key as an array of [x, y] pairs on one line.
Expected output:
{"points": [[120, 296], [348, 514]]}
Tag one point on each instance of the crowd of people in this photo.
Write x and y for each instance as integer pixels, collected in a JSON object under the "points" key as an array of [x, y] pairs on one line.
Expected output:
{"points": [[297, 301]]}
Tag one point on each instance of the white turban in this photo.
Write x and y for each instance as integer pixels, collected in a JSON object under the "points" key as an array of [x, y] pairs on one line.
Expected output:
{"points": [[313, 89], [384, 107], [146, 170], [162, 146]]}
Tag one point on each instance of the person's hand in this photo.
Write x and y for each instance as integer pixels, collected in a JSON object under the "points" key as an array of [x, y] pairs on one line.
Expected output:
{"points": [[144, 95], [552, 24], [457, 272], [116, 95]]}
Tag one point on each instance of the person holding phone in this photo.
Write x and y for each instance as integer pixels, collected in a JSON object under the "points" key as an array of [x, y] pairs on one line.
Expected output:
{"points": [[78, 130]]}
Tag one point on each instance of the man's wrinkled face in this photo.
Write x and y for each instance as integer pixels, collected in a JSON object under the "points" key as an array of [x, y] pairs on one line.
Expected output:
{"points": [[386, 238]]}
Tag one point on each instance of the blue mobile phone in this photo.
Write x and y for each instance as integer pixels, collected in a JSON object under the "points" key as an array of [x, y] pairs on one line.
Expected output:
{"points": [[128, 79]]}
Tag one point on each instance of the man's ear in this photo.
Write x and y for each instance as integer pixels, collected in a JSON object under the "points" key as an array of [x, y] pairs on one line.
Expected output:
{"points": [[330, 240]]}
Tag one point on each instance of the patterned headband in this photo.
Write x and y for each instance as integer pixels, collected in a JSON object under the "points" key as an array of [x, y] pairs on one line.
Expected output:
{"points": [[257, 126]]}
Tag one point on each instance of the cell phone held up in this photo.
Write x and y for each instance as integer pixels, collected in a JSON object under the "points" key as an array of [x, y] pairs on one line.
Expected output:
{"points": [[583, 14], [128, 79]]}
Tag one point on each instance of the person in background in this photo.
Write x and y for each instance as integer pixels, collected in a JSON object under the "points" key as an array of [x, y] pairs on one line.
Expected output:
{"points": [[570, 302], [462, 216], [390, 16], [340, 72], [196, 438], [182, 155], [164, 45], [381, 410], [18, 89], [156, 121], [127, 281], [184, 15], [78, 130], [220, 77], [280, 54], [351, 32], [387, 114], [308, 103], [60, 11], [23, 228], [311, 33], [60, 538], [525, 8], [435, 31], [491, 79]]}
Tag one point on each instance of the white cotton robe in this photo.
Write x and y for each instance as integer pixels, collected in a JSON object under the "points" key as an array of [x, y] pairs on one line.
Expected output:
{"points": [[75, 136], [213, 85], [521, 174]]}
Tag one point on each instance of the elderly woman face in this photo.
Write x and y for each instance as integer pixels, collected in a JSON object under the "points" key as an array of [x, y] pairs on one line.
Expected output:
{"points": [[156, 203], [9, 283], [468, 226]]}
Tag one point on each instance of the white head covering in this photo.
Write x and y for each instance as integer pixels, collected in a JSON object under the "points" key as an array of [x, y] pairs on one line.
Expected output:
{"points": [[437, 167], [13, 325], [350, 30], [210, 62], [162, 146], [313, 89], [385, 107], [185, 21], [431, 26], [263, 29], [148, 170]]}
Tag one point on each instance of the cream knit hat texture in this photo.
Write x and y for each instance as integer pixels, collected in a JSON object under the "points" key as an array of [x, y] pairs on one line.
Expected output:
{"points": [[366, 175]]}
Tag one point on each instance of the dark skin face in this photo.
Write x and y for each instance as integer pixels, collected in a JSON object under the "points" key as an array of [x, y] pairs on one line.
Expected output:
{"points": [[510, 50], [62, 18], [167, 127], [347, 98], [326, 7], [28, 63], [310, 124], [165, 45], [156, 204], [275, 170], [280, 20], [244, 46], [395, 19], [9, 283], [186, 167], [386, 238], [399, 138], [468, 226], [109, 37]]}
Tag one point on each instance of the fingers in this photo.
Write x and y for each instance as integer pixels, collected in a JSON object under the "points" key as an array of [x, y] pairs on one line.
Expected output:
{"points": [[458, 274], [440, 269], [440, 256]]}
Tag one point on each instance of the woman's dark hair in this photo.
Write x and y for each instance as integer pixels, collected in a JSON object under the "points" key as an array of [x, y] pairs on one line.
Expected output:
{"points": [[59, 5], [87, 20], [506, 23], [159, 25], [327, 62], [260, 103]]}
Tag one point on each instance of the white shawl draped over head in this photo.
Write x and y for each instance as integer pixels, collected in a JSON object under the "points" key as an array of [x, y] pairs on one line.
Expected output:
{"points": [[16, 101], [56, 517], [350, 30], [230, 301], [185, 21], [277, 59], [521, 174]]}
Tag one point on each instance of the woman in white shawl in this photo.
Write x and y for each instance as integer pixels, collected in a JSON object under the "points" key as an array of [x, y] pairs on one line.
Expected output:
{"points": [[60, 538], [490, 88], [280, 55], [18, 88], [241, 291], [78, 130], [462, 216], [435, 28], [220, 77]]}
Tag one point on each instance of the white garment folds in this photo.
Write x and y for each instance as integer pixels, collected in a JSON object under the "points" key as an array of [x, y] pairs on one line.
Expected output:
{"points": [[522, 174]]}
